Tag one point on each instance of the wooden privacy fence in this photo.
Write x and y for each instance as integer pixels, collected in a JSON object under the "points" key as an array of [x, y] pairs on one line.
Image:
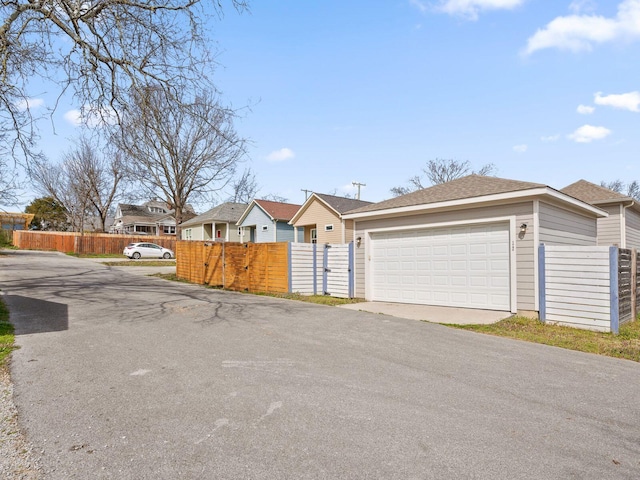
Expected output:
{"points": [[73, 242], [588, 287], [268, 267]]}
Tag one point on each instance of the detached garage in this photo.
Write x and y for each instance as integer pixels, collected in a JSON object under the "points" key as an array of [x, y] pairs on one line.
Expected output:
{"points": [[467, 243]]}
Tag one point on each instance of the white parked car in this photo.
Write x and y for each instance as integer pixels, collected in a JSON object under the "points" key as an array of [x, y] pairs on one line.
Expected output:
{"points": [[146, 250]]}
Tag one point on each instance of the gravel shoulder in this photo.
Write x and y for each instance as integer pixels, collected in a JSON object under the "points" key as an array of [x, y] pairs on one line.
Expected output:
{"points": [[17, 458]]}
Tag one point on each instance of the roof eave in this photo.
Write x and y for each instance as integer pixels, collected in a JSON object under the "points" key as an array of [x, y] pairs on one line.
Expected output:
{"points": [[517, 195]]}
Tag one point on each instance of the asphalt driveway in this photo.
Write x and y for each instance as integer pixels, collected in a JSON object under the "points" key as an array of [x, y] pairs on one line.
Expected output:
{"points": [[130, 377]]}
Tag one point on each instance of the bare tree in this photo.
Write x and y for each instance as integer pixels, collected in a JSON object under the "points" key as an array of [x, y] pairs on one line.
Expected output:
{"points": [[179, 149], [631, 189], [87, 182], [98, 50], [441, 171], [244, 188]]}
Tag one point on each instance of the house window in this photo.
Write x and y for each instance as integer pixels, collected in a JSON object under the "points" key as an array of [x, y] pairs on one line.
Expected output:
{"points": [[265, 228], [328, 228], [169, 229], [240, 232], [314, 235], [187, 234]]}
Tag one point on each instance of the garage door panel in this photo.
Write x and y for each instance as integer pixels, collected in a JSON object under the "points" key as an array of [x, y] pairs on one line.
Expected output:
{"points": [[465, 266]]}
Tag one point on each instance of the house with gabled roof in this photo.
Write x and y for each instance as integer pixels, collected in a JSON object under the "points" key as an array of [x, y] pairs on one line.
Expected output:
{"points": [[320, 218], [471, 242], [217, 224], [151, 218], [268, 221], [622, 227]]}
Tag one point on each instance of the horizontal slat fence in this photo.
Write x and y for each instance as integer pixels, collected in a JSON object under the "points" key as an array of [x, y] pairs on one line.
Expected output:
{"points": [[587, 287], [251, 267], [306, 268], [93, 243]]}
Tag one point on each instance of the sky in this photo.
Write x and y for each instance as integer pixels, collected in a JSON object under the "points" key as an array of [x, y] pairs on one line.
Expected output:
{"points": [[331, 92]]}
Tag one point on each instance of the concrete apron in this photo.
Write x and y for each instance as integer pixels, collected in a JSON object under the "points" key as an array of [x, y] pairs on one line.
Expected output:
{"points": [[429, 313]]}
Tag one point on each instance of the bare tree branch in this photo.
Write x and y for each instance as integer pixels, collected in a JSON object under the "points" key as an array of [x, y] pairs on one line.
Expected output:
{"points": [[179, 149], [441, 171]]}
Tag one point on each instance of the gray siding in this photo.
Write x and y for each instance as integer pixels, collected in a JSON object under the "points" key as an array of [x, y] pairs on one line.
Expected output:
{"points": [[632, 220], [286, 233], [609, 229], [564, 227], [256, 218], [524, 245]]}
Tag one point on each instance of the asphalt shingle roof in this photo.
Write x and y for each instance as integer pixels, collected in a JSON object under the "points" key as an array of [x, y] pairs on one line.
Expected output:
{"points": [[470, 186], [342, 204], [279, 210], [592, 193], [228, 212]]}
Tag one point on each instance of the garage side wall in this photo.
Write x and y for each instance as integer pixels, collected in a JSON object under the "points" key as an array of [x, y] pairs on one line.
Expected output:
{"points": [[524, 247], [564, 227], [632, 221], [610, 228]]}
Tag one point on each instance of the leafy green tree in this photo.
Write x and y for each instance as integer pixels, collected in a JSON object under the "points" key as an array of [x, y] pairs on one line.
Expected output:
{"points": [[49, 214]]}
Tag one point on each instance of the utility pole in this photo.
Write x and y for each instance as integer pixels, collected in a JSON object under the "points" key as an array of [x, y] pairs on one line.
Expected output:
{"points": [[358, 184], [306, 193]]}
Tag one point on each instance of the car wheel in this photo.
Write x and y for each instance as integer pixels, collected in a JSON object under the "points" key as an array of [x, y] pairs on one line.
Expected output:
{"points": [[166, 255], [136, 255]]}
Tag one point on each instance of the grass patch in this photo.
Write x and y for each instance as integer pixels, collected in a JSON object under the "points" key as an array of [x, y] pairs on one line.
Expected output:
{"points": [[171, 277], [624, 345], [6, 335], [95, 255], [142, 263], [317, 299]]}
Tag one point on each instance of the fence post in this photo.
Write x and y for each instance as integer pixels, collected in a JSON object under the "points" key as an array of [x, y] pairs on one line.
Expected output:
{"points": [[613, 289], [542, 282], [290, 279], [315, 269], [634, 284], [325, 269], [351, 270]]}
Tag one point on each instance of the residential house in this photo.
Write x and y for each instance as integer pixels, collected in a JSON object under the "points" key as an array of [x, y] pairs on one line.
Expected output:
{"points": [[268, 221], [150, 218], [218, 223], [15, 221], [471, 242], [622, 227], [320, 218]]}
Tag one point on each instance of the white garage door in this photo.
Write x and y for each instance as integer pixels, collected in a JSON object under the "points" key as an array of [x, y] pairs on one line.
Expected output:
{"points": [[463, 266]]}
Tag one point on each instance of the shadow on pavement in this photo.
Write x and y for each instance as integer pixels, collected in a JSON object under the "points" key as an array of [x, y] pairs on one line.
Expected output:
{"points": [[30, 315]]}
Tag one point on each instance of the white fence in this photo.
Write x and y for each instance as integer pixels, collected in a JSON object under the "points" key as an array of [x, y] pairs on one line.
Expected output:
{"points": [[580, 287], [322, 269]]}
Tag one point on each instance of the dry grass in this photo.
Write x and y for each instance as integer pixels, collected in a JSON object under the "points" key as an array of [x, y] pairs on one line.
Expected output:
{"points": [[142, 263], [624, 345]]}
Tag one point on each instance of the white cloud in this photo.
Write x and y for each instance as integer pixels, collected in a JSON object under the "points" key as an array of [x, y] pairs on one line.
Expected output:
{"points": [[281, 155], [550, 138], [471, 8], [589, 133], [582, 6], [580, 32], [419, 5], [90, 117], [625, 101], [585, 109], [29, 104], [520, 148]]}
